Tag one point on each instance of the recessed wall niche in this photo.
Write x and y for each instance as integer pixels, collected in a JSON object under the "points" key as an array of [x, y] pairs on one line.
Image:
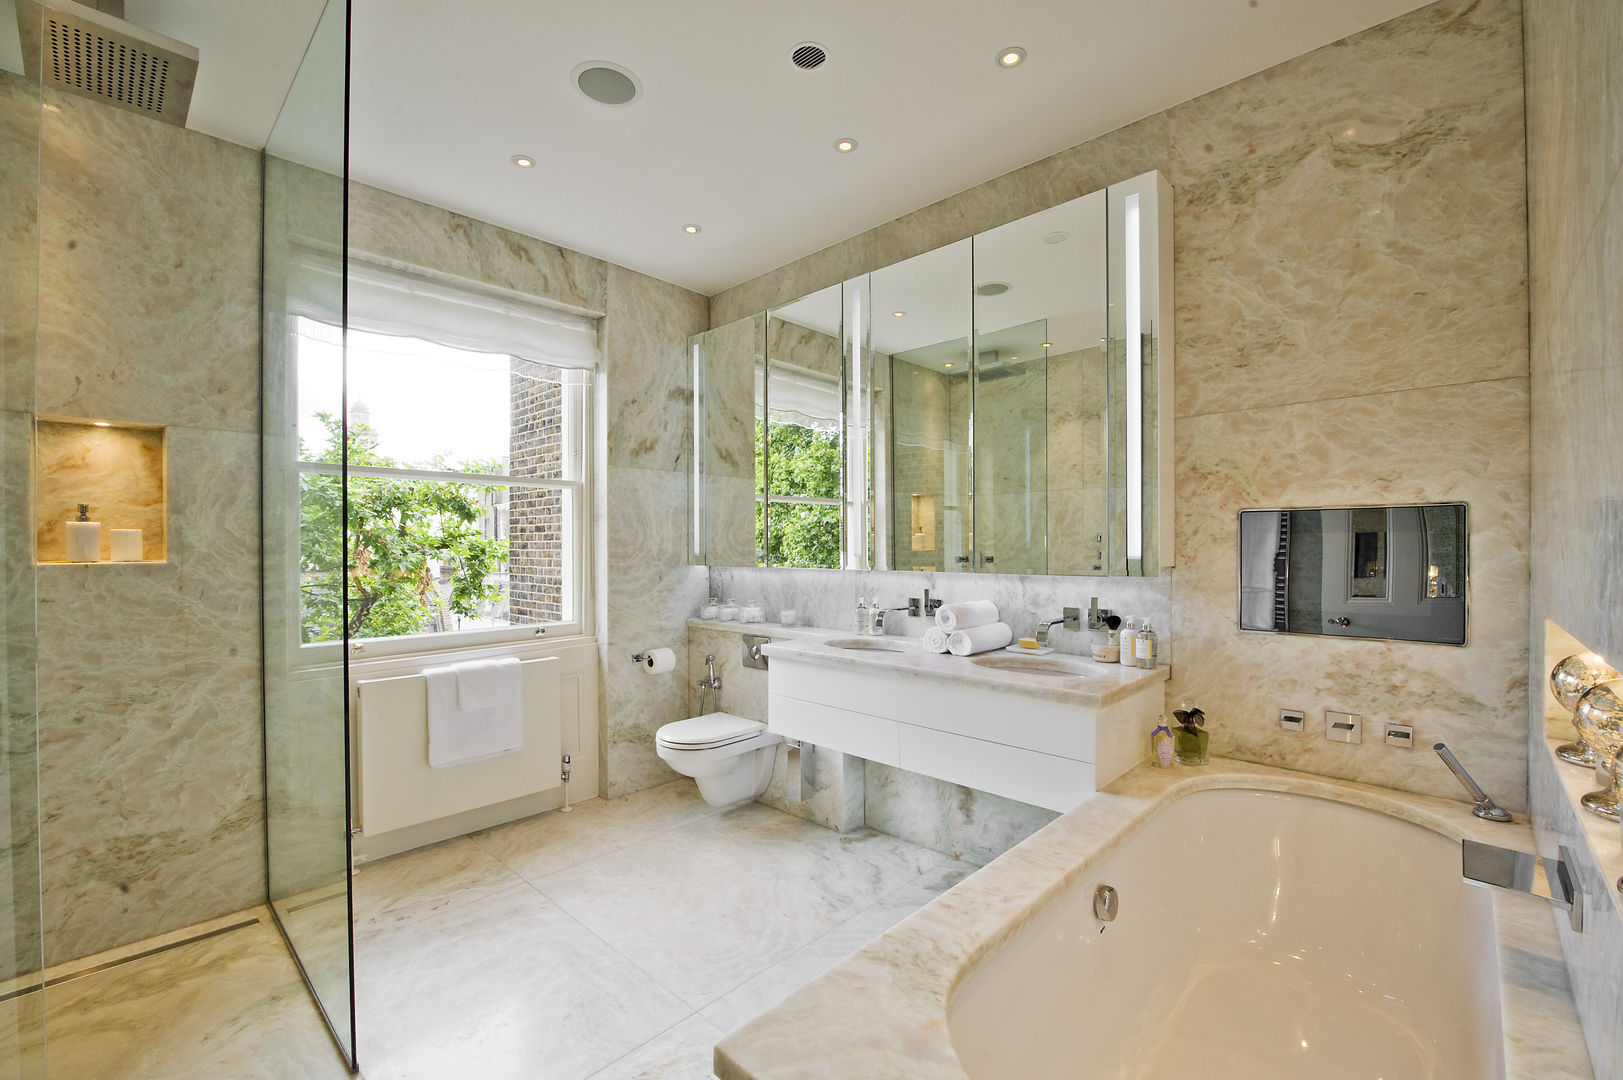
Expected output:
{"points": [[119, 470]]}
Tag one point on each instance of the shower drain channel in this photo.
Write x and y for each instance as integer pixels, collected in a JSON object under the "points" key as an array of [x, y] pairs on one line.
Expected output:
{"points": [[142, 955]]}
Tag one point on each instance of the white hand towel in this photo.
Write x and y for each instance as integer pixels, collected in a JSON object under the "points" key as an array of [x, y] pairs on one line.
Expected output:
{"points": [[964, 615], [979, 639], [486, 684], [457, 736], [935, 640]]}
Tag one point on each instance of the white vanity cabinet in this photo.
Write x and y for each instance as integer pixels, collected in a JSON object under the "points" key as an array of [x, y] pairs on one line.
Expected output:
{"points": [[1040, 739]]}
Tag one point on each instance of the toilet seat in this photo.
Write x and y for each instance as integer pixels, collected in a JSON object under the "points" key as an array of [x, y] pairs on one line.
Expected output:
{"points": [[708, 732]]}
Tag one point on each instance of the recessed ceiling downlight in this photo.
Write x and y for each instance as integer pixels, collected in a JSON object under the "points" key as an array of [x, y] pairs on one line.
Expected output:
{"points": [[523, 161], [606, 83], [691, 230], [845, 146], [807, 55], [1013, 56], [993, 288]]}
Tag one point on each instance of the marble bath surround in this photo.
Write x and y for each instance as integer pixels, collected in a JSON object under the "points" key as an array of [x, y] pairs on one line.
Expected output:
{"points": [[883, 1012]]}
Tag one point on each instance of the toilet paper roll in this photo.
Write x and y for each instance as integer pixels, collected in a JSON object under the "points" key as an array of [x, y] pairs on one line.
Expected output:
{"points": [[659, 661]]}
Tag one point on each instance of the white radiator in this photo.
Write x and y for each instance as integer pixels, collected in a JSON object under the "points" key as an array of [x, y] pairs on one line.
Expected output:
{"points": [[397, 787]]}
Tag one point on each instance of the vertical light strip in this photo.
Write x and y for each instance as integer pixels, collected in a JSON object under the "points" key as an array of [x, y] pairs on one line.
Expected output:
{"points": [[1133, 338], [856, 472], [699, 462]]}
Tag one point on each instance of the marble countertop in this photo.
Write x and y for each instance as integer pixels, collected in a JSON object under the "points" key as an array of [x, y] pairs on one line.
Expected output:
{"points": [[1104, 685], [769, 629], [882, 1013]]}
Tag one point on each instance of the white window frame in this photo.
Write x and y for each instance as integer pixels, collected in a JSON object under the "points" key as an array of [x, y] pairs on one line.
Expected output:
{"points": [[578, 568]]}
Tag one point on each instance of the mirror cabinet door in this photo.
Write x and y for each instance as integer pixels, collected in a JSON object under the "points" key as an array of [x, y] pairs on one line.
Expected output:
{"points": [[919, 346], [800, 434], [1042, 393]]}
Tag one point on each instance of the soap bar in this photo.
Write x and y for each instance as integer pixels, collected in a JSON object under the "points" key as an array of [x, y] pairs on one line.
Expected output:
{"points": [[127, 545], [1028, 643]]}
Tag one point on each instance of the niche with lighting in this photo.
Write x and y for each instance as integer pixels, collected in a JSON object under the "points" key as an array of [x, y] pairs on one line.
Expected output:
{"points": [[118, 471]]}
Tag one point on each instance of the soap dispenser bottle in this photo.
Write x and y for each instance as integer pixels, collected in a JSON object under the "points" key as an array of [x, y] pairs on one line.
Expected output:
{"points": [[1144, 647], [1129, 641], [84, 537], [864, 626]]}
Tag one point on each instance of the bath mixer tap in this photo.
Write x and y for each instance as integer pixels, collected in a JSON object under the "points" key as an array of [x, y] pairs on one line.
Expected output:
{"points": [[1518, 871], [911, 607], [1485, 808], [1098, 617]]}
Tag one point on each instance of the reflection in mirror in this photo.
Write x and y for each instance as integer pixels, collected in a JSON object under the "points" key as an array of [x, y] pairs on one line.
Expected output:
{"points": [[1390, 572], [1042, 393], [798, 511], [920, 340]]}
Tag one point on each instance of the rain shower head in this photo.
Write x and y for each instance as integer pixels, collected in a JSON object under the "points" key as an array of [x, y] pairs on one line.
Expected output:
{"points": [[96, 53]]}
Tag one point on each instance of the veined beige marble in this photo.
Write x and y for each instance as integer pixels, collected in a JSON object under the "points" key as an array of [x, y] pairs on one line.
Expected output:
{"points": [[1356, 451], [1352, 221], [648, 376], [149, 271], [882, 1014], [118, 472]]}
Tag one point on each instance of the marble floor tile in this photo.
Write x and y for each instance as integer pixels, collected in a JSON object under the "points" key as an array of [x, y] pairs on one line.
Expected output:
{"points": [[754, 997], [707, 906], [547, 843], [231, 1005], [499, 985], [685, 1052]]}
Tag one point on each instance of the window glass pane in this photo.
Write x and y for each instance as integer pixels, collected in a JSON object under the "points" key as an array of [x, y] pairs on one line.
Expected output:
{"points": [[435, 556], [805, 535], [415, 404]]}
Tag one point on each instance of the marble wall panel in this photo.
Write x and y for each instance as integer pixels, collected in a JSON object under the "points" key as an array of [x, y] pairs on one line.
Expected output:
{"points": [[149, 707], [149, 271], [651, 593], [393, 228], [1354, 220], [117, 472], [1575, 186], [957, 821], [648, 380], [1329, 453]]}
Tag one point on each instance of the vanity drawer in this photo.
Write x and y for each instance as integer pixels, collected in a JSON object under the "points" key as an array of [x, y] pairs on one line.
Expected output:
{"points": [[859, 734]]}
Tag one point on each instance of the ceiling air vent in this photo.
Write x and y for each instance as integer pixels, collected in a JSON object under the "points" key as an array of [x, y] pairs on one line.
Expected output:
{"points": [[807, 55], [78, 48]]}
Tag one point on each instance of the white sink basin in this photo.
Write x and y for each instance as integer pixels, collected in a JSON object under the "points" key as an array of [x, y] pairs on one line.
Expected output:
{"points": [[1059, 667], [871, 644]]}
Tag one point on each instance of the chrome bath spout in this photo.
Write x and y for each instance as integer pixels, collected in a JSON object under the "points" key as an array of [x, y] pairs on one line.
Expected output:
{"points": [[1485, 808]]}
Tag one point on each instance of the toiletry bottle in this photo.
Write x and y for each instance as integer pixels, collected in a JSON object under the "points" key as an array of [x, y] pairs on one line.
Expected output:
{"points": [[1161, 749], [84, 537], [1144, 647], [1128, 642], [863, 627]]}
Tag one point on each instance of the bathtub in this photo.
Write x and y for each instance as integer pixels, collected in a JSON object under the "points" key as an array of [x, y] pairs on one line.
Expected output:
{"points": [[1270, 925], [1258, 934]]}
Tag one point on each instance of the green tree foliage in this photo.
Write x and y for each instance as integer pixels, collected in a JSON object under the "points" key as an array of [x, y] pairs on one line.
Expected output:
{"points": [[397, 530], [802, 461]]}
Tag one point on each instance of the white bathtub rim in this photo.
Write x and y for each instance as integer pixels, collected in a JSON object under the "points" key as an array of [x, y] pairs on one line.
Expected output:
{"points": [[882, 1013]]}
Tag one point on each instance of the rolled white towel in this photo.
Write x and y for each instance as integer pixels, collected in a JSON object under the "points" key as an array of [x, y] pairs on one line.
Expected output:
{"points": [[935, 640], [979, 639], [964, 615]]}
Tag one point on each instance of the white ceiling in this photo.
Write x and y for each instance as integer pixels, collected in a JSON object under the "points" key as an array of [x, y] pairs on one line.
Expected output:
{"points": [[728, 134]]}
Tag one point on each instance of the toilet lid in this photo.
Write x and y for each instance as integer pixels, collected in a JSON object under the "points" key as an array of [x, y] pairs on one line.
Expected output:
{"points": [[711, 729]]}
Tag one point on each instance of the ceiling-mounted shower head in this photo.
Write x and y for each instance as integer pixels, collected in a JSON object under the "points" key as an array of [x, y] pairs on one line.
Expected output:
{"points": [[78, 48]]}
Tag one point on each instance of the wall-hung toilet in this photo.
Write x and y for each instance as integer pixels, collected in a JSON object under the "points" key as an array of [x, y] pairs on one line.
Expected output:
{"points": [[729, 756]]}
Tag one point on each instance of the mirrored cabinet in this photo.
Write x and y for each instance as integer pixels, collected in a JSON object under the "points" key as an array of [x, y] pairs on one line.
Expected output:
{"points": [[1000, 404]]}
